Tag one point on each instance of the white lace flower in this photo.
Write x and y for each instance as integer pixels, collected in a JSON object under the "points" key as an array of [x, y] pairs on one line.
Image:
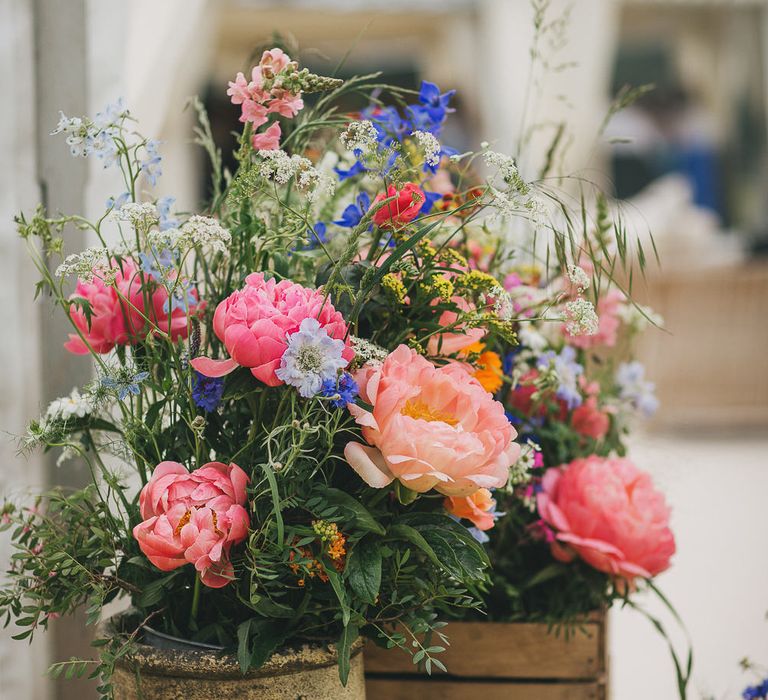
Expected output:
{"points": [[581, 318], [139, 215], [367, 352], [202, 231], [311, 357], [578, 278], [360, 137], [92, 261], [430, 145]]}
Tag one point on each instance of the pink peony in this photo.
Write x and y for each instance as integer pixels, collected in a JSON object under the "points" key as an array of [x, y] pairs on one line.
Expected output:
{"points": [[477, 508], [454, 341], [194, 518], [608, 307], [430, 428], [269, 140], [254, 323], [107, 325], [118, 312], [607, 511], [401, 210]]}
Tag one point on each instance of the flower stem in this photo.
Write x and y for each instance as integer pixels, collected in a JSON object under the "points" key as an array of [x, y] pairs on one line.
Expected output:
{"points": [[195, 601]]}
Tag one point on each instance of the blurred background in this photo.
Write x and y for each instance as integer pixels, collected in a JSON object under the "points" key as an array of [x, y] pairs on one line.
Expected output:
{"points": [[690, 157]]}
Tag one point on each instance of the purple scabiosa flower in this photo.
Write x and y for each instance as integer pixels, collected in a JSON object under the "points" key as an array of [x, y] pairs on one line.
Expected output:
{"points": [[207, 391], [567, 371], [635, 389], [341, 391], [310, 358]]}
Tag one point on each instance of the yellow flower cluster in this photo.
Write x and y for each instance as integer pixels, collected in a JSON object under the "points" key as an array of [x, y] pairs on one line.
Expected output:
{"points": [[440, 286], [394, 286], [477, 281]]}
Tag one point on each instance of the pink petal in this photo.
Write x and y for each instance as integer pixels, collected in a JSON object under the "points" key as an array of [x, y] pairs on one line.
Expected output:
{"points": [[213, 368]]}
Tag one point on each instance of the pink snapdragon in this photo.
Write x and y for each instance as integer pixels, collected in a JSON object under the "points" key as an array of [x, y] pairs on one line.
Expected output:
{"points": [[264, 95], [194, 518], [254, 324], [607, 511]]}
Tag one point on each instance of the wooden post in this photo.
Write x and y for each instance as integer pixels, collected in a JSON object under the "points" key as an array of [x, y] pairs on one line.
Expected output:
{"points": [[61, 80]]}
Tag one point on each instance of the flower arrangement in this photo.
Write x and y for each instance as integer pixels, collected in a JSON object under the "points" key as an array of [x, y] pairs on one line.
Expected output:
{"points": [[300, 394]]}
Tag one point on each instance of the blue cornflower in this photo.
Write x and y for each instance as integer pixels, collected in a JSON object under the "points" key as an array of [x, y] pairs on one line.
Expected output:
{"points": [[150, 166], [341, 391], [207, 391], [166, 220], [429, 202], [567, 371], [436, 104], [354, 213], [357, 169], [124, 385]]}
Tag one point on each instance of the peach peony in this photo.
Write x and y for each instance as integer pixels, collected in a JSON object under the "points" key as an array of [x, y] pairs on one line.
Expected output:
{"points": [[430, 428], [254, 324], [193, 518], [477, 508], [607, 511]]}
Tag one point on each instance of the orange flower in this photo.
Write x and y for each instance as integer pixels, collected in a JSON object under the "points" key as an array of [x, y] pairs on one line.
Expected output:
{"points": [[488, 367]]}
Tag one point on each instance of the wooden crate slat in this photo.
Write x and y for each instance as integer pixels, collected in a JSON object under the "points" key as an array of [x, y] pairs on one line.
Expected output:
{"points": [[408, 689], [507, 650]]}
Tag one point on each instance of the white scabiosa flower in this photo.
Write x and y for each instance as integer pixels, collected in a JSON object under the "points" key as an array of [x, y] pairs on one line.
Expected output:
{"points": [[311, 357]]}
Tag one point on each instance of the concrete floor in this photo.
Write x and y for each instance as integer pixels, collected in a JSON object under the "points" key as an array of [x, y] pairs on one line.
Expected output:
{"points": [[718, 489]]}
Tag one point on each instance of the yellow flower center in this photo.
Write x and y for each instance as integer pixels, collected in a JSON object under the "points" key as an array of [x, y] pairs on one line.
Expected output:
{"points": [[418, 409]]}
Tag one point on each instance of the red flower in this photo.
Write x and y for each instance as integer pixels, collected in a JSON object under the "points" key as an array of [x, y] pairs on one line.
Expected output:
{"points": [[399, 211]]}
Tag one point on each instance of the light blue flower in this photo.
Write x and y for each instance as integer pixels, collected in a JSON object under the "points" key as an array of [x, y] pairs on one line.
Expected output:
{"points": [[635, 389], [165, 219], [567, 371], [158, 264], [311, 357], [150, 166], [124, 385]]}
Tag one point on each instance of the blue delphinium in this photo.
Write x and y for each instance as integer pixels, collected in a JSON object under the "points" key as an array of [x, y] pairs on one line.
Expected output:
{"points": [[166, 219], [354, 213], [207, 391], [756, 692], [341, 391], [634, 388], [150, 166], [317, 234], [158, 264], [357, 169], [429, 202]]}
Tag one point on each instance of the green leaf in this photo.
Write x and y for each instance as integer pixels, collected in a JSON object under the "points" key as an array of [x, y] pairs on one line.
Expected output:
{"points": [[243, 650], [363, 569], [352, 508], [406, 532], [344, 647], [338, 588], [257, 639], [456, 551]]}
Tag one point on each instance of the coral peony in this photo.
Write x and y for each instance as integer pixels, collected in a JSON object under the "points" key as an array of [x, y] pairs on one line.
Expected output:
{"points": [[478, 508], [193, 518], [430, 428], [254, 324], [608, 309], [399, 211], [607, 511]]}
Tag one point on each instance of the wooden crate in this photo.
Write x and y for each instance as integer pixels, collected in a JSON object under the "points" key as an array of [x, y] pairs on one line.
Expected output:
{"points": [[498, 661]]}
